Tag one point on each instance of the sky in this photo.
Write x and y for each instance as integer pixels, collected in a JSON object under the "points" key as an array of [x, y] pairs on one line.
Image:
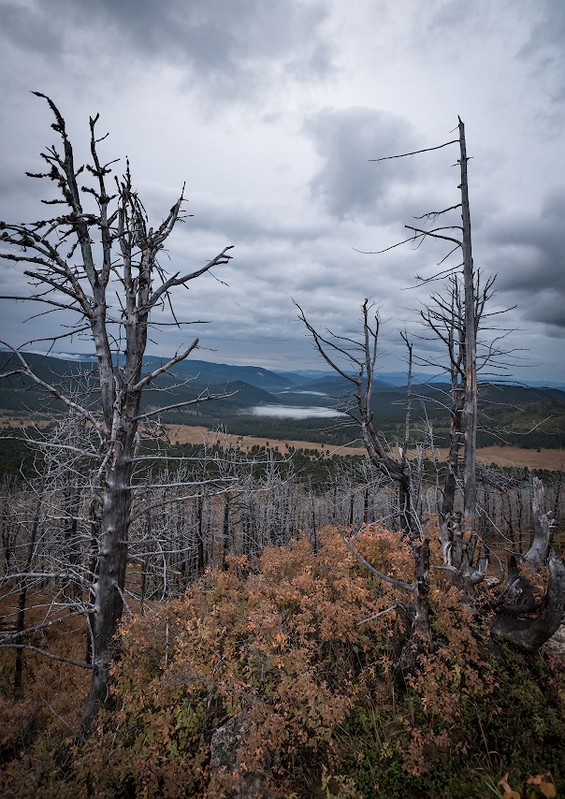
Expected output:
{"points": [[271, 111]]}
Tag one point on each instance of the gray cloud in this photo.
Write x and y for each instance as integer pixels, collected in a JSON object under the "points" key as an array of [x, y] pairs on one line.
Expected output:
{"points": [[271, 112], [244, 221], [26, 27], [232, 50], [544, 45], [530, 258], [345, 140]]}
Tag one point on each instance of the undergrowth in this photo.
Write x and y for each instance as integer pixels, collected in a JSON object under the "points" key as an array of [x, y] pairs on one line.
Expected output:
{"points": [[283, 653]]}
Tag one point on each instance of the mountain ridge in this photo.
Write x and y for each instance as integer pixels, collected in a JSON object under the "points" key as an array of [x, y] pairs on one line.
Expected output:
{"points": [[270, 380], [299, 401]]}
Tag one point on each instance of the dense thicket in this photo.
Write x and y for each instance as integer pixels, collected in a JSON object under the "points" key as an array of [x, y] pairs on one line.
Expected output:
{"points": [[279, 676]]}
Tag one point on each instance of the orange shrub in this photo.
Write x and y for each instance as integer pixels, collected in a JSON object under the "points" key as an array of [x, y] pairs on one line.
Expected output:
{"points": [[275, 643]]}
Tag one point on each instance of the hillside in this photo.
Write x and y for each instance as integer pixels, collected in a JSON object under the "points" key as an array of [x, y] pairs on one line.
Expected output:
{"points": [[527, 416]]}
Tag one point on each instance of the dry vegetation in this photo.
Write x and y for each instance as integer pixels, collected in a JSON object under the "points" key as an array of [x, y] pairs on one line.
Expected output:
{"points": [[271, 650], [550, 459]]}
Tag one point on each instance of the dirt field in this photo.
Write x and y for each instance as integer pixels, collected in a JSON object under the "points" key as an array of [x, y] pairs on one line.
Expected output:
{"points": [[181, 434], [551, 459], [8, 422]]}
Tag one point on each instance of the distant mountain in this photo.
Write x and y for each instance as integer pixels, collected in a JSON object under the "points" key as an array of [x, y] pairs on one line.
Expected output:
{"points": [[504, 406], [207, 373], [304, 375], [546, 384], [76, 377]]}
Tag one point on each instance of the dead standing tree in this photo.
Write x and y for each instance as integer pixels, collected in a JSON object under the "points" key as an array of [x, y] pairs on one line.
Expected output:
{"points": [[444, 316], [464, 558], [100, 244], [355, 361], [468, 341]]}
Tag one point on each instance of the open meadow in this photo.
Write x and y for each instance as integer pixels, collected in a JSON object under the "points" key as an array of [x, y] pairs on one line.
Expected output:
{"points": [[520, 457]]}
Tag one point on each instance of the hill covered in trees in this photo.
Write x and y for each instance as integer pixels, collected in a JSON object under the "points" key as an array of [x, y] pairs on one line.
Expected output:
{"points": [[528, 416]]}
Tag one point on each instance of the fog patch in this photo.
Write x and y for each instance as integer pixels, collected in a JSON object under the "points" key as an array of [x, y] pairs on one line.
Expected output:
{"points": [[298, 391], [294, 412]]}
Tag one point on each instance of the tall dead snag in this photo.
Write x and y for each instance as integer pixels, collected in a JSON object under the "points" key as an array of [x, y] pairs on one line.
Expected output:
{"points": [[354, 359], [456, 320], [464, 402], [100, 247], [470, 411]]}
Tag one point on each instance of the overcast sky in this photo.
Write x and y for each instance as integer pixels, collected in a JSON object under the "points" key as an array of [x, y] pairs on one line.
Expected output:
{"points": [[270, 111]]}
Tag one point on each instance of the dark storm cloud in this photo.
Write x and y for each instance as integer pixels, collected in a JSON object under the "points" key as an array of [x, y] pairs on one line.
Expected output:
{"points": [[29, 28], [346, 139], [544, 47], [530, 257], [228, 47]]}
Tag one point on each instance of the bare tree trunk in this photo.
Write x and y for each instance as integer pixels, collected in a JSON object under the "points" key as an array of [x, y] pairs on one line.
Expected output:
{"points": [[226, 530], [200, 549], [544, 528], [8, 533], [22, 597], [108, 589], [101, 263], [455, 445], [422, 626], [470, 412]]}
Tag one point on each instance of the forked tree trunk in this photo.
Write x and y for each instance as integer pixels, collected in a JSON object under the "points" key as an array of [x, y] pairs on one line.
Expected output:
{"points": [[528, 634], [99, 261], [512, 621]]}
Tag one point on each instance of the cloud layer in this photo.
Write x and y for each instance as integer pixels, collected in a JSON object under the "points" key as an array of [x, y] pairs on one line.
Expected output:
{"points": [[272, 113]]}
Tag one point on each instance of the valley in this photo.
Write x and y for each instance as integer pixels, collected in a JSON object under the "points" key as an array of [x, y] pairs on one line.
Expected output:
{"points": [[522, 426]]}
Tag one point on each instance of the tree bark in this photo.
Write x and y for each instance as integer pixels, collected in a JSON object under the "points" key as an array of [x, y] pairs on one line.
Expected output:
{"points": [[470, 412], [543, 528], [81, 261], [529, 634]]}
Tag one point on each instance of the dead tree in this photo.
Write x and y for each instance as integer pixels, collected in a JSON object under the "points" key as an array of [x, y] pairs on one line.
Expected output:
{"points": [[354, 359], [99, 245], [456, 322], [445, 317], [46, 573], [458, 237]]}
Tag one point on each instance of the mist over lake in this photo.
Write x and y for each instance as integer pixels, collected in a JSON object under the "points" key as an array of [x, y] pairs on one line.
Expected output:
{"points": [[298, 391], [294, 412]]}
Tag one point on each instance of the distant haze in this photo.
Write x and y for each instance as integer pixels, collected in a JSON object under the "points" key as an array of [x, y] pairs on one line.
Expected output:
{"points": [[293, 412]]}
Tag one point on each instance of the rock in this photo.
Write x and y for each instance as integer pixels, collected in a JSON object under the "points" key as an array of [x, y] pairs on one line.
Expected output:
{"points": [[233, 774], [556, 644]]}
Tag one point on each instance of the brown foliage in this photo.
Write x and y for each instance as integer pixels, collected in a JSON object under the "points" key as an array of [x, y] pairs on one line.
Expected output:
{"points": [[275, 643], [272, 677]]}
